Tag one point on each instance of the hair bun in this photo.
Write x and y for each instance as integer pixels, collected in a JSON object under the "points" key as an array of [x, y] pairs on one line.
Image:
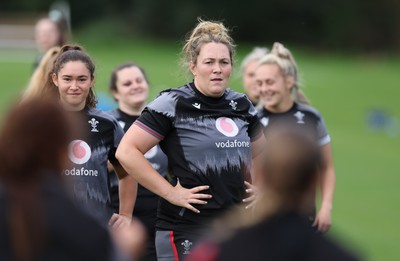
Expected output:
{"points": [[69, 47], [211, 28], [281, 51], [208, 27]]}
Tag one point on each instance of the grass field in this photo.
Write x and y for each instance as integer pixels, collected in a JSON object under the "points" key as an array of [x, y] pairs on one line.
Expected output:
{"points": [[344, 88]]}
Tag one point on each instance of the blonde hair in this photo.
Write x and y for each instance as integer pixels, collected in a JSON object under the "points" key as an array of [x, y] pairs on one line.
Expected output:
{"points": [[283, 58], [205, 32], [255, 55], [41, 84]]}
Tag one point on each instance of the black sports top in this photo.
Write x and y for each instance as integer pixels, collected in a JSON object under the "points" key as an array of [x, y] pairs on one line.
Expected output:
{"points": [[89, 152], [302, 119], [208, 142], [299, 117]]}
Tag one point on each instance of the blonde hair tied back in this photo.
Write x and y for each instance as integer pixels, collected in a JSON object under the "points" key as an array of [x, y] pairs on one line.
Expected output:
{"points": [[290, 69], [40, 84], [205, 32], [282, 57]]}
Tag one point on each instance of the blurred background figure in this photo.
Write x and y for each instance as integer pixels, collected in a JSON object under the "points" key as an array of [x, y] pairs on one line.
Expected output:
{"points": [[277, 228], [248, 72], [286, 106], [40, 84], [38, 220], [129, 86], [50, 31], [378, 119]]}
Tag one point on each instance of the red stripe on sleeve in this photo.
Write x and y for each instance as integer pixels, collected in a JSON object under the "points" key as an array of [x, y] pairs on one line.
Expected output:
{"points": [[147, 129]]}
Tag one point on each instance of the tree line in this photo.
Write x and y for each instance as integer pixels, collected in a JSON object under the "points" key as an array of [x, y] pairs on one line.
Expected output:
{"points": [[360, 25]]}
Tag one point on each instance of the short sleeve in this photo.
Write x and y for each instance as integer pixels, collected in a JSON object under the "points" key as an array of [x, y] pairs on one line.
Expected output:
{"points": [[118, 133], [255, 127], [158, 116], [323, 136], [154, 123]]}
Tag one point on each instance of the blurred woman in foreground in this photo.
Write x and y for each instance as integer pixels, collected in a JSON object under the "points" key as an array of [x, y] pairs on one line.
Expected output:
{"points": [[38, 220], [277, 229]]}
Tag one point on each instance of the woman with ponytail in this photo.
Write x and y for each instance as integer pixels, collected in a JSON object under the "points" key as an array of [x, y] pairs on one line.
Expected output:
{"points": [[69, 80], [209, 134], [285, 105]]}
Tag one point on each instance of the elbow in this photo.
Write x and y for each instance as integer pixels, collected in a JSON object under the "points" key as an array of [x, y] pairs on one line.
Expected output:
{"points": [[119, 154]]}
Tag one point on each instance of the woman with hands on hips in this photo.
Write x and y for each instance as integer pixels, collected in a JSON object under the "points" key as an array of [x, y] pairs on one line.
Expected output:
{"points": [[209, 134]]}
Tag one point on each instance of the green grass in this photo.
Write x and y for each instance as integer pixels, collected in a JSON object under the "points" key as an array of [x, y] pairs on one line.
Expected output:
{"points": [[343, 88]]}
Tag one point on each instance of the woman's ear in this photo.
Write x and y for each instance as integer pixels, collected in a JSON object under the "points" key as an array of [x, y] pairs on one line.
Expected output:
{"points": [[115, 94], [193, 68], [92, 82], [289, 82], [54, 78]]}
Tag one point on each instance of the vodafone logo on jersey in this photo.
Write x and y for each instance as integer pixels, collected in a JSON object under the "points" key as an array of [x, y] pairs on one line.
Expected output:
{"points": [[227, 126], [79, 152]]}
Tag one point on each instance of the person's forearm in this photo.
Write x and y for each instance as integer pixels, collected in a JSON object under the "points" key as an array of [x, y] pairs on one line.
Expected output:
{"points": [[127, 195], [327, 188], [327, 178]]}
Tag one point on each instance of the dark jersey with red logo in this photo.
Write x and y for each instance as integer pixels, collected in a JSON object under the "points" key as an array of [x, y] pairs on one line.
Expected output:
{"points": [[89, 152], [208, 142], [146, 201]]}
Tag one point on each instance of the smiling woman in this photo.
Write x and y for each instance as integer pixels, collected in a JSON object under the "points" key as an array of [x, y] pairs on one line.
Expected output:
{"points": [[284, 104], [70, 82], [129, 86], [74, 77], [74, 82]]}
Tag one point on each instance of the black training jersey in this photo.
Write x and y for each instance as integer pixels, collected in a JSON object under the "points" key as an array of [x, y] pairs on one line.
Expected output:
{"points": [[155, 155], [208, 142], [299, 117], [89, 152], [302, 119]]}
